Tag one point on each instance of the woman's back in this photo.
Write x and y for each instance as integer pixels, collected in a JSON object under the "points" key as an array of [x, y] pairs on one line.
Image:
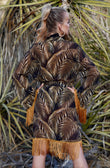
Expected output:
{"points": [[59, 64]]}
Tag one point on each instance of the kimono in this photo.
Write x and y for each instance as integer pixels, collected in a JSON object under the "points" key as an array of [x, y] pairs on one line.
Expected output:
{"points": [[55, 111]]}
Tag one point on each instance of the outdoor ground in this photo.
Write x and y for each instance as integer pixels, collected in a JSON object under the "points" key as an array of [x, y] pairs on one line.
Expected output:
{"points": [[24, 160]]}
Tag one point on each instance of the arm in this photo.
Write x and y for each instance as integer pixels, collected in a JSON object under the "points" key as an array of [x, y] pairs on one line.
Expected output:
{"points": [[23, 77], [89, 76]]}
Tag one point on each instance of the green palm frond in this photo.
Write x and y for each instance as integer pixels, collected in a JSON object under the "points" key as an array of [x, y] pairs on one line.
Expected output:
{"points": [[8, 83], [90, 28], [9, 124], [1, 76], [3, 129], [87, 24], [95, 11], [94, 3], [18, 125], [20, 4], [10, 110], [89, 32], [29, 14], [98, 124]]}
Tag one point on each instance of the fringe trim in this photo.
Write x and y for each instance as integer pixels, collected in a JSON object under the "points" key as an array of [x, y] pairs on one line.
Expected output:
{"points": [[30, 111], [60, 149], [80, 110]]}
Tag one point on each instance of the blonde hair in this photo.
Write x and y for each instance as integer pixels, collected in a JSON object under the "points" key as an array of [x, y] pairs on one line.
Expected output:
{"points": [[50, 17]]}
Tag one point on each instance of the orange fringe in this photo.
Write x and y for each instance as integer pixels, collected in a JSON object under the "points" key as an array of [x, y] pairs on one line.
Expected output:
{"points": [[30, 111], [80, 110], [60, 149]]}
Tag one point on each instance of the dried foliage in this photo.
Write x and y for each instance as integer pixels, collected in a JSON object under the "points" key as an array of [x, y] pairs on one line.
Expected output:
{"points": [[91, 22]]}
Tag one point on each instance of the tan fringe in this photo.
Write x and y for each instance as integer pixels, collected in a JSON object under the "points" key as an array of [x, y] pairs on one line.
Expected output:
{"points": [[80, 110], [60, 149], [30, 111], [40, 146]]}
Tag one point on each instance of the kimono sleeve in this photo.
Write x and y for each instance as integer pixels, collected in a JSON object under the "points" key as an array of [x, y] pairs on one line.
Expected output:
{"points": [[89, 76], [25, 79]]}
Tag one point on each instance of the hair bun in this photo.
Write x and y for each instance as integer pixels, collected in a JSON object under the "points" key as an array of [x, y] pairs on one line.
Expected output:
{"points": [[46, 11]]}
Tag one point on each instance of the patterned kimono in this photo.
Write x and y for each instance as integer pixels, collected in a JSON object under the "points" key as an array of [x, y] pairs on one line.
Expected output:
{"points": [[56, 111]]}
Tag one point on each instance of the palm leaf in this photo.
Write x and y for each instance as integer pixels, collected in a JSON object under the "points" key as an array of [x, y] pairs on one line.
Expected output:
{"points": [[106, 134], [3, 129], [16, 109], [96, 36], [11, 136], [28, 23], [93, 21], [95, 3], [19, 115], [8, 83], [13, 100], [27, 4], [103, 115], [13, 129], [22, 142], [99, 140], [82, 25], [21, 12], [1, 76], [94, 11], [19, 127], [9, 126]]}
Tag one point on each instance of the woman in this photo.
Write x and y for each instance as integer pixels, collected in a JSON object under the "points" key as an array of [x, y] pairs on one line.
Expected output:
{"points": [[59, 64]]}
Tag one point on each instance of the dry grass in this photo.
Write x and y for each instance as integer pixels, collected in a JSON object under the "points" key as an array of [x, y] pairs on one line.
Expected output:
{"points": [[24, 160]]}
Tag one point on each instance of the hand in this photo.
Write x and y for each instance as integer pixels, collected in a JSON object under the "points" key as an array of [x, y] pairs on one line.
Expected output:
{"points": [[71, 89]]}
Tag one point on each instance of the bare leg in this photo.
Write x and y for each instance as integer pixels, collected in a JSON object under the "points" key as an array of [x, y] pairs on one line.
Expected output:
{"points": [[39, 161], [81, 161]]}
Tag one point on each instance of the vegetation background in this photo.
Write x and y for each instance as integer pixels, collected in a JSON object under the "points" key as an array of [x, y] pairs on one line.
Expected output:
{"points": [[90, 28]]}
